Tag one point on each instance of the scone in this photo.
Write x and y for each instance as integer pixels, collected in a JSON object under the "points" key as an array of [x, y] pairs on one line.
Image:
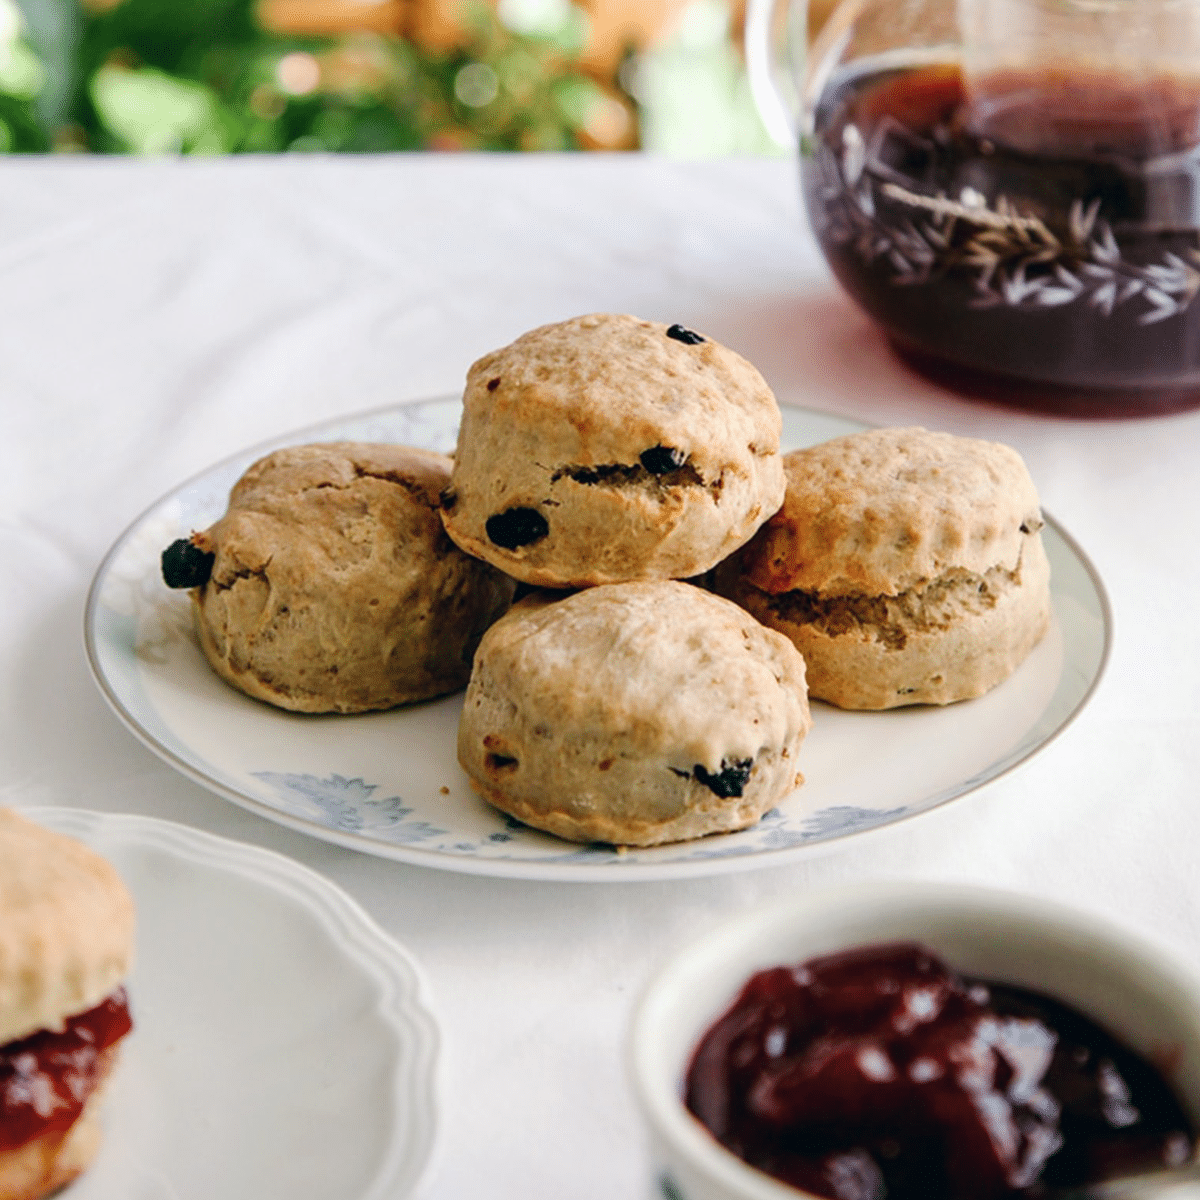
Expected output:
{"points": [[906, 566], [331, 586], [633, 713], [606, 449], [66, 943]]}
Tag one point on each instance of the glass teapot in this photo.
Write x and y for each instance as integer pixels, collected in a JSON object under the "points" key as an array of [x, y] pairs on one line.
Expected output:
{"points": [[1009, 188]]}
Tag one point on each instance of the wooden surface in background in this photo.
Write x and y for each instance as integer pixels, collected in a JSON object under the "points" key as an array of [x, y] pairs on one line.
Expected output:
{"points": [[617, 26], [318, 17]]}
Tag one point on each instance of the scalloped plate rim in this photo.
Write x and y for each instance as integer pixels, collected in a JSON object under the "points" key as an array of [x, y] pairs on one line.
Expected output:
{"points": [[403, 995]]}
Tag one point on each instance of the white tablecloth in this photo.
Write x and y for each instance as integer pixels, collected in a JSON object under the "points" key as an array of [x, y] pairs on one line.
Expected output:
{"points": [[158, 316]]}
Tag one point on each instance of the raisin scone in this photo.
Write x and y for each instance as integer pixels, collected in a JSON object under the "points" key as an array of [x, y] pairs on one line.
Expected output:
{"points": [[606, 449], [633, 713], [66, 946], [330, 585], [906, 566]]}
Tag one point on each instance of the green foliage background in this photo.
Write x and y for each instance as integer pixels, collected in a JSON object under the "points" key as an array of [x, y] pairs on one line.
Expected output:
{"points": [[201, 76]]}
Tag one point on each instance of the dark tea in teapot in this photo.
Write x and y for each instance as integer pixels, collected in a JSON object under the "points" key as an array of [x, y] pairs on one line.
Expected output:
{"points": [[1033, 237]]}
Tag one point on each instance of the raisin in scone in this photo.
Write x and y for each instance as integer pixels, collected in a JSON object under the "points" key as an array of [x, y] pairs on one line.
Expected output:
{"points": [[634, 714], [906, 566], [330, 584], [606, 448], [66, 946]]}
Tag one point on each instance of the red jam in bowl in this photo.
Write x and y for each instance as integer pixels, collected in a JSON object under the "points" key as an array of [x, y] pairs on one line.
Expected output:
{"points": [[879, 1073], [47, 1077]]}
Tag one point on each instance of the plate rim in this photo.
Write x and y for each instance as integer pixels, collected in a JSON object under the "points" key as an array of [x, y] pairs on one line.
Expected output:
{"points": [[404, 998], [535, 869]]}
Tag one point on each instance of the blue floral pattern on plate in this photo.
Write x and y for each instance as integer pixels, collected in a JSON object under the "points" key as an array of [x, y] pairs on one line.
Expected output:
{"points": [[349, 805]]}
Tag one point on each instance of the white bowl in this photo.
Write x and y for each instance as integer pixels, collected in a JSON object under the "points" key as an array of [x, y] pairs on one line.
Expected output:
{"points": [[1131, 988]]}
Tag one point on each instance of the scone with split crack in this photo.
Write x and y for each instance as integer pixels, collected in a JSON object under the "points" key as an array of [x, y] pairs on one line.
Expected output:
{"points": [[330, 585], [66, 945], [607, 448], [906, 566], [633, 713]]}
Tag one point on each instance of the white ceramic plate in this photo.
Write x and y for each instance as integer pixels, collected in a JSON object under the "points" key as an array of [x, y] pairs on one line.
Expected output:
{"points": [[282, 1043], [389, 784]]}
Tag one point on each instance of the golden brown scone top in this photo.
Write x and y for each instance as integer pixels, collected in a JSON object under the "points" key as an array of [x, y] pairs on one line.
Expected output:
{"points": [[616, 382], [297, 469], [316, 501], [664, 667], [607, 448], [879, 512], [66, 928]]}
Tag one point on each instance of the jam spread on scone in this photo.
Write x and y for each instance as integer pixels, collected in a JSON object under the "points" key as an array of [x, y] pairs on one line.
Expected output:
{"points": [[880, 1072], [47, 1077], [66, 947]]}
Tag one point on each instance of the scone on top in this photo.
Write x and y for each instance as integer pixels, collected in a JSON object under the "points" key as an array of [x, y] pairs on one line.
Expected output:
{"points": [[66, 947], [329, 585], [905, 565], [634, 714], [606, 448]]}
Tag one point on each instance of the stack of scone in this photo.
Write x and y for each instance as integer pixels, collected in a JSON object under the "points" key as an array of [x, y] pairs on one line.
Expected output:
{"points": [[617, 456], [66, 941], [606, 459]]}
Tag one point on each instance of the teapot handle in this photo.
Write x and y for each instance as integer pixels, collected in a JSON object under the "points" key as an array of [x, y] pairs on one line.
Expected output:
{"points": [[761, 69]]}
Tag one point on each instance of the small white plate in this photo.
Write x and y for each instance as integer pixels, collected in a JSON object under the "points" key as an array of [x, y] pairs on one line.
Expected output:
{"points": [[283, 1045], [389, 783]]}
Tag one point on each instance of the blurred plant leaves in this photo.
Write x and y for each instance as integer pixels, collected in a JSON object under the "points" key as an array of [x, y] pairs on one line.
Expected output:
{"points": [[176, 36], [202, 76], [154, 113], [52, 28]]}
